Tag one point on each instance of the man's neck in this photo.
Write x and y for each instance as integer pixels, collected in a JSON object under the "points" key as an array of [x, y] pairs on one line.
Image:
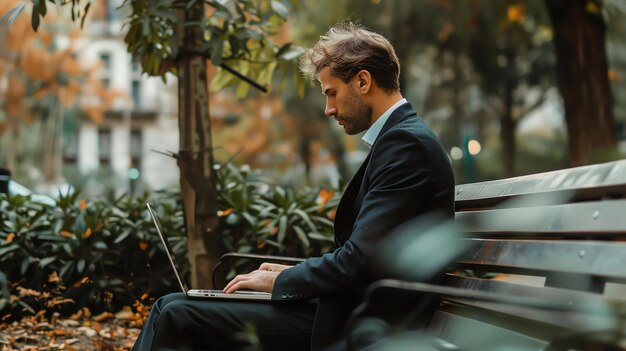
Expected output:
{"points": [[383, 103]]}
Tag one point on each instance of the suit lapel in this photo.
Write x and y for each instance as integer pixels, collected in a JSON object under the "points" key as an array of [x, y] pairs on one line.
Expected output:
{"points": [[345, 215], [347, 210]]}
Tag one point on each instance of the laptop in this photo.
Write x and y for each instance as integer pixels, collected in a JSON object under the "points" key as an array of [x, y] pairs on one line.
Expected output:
{"points": [[198, 293]]}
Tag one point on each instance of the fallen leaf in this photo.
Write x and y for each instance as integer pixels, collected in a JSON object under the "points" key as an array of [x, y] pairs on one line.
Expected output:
{"points": [[53, 277]]}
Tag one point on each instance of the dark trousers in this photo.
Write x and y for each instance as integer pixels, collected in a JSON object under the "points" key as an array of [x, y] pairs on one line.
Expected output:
{"points": [[180, 323]]}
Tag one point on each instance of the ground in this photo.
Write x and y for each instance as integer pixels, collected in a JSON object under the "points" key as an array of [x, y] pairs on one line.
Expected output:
{"points": [[104, 332]]}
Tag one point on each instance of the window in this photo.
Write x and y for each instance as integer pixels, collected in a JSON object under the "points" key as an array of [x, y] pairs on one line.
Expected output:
{"points": [[104, 146], [107, 68], [136, 93], [70, 146]]}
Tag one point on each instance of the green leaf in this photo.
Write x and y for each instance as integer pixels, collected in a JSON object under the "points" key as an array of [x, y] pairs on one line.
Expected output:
{"points": [[35, 19], [100, 245], [80, 265], [122, 236], [321, 237], [145, 26], [302, 236], [82, 20], [242, 89], [25, 264], [67, 269], [305, 217], [282, 229], [217, 51], [5, 250], [280, 9], [12, 14], [221, 10], [47, 260], [42, 8]]}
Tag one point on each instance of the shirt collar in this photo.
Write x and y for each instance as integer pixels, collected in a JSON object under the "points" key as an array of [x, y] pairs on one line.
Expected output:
{"points": [[372, 133]]}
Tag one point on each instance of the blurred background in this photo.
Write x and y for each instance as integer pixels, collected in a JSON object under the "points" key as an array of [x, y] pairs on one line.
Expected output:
{"points": [[76, 111]]}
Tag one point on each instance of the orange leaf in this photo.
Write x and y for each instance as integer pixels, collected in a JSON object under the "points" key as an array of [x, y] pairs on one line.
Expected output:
{"points": [[273, 231], [331, 214], [260, 244], [66, 234], [87, 233], [10, 238], [83, 204], [102, 316], [225, 212], [144, 296], [324, 196], [515, 14], [53, 277], [592, 7], [143, 245]]}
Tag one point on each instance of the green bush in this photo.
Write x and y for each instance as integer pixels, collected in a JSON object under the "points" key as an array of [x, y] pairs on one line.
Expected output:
{"points": [[258, 218], [105, 254], [99, 254]]}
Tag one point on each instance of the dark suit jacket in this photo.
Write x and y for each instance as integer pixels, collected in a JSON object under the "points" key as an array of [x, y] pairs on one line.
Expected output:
{"points": [[406, 174]]}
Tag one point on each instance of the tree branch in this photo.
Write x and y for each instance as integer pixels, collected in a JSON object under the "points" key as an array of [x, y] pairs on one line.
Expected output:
{"points": [[225, 67]]}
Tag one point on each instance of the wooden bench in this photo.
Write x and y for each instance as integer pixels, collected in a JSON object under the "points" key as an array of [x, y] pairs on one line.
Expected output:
{"points": [[554, 245], [547, 253]]}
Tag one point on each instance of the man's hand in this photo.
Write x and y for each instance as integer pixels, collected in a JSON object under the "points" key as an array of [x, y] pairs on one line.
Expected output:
{"points": [[273, 267], [260, 280]]}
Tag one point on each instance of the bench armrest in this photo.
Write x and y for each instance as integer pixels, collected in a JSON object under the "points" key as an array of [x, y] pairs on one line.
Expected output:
{"points": [[229, 260], [557, 302], [465, 294]]}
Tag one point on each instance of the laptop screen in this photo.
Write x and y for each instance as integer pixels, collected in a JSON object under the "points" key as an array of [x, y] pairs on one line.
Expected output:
{"points": [[168, 248]]}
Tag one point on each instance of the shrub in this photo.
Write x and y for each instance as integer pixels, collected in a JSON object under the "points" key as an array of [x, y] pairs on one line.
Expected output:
{"points": [[105, 254], [272, 220], [97, 254]]}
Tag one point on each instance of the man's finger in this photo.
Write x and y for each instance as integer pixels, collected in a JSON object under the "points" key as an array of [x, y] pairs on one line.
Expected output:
{"points": [[237, 286], [235, 280]]}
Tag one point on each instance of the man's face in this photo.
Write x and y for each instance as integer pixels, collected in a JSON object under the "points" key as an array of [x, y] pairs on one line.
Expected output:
{"points": [[344, 103]]}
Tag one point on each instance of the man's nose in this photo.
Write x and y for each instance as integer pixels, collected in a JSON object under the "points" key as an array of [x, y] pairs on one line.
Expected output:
{"points": [[330, 111]]}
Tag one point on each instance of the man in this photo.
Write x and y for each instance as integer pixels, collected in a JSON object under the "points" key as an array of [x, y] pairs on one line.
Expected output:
{"points": [[405, 175]]}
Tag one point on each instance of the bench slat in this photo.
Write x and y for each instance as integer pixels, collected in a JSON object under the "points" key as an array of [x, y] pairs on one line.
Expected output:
{"points": [[574, 320], [535, 257], [578, 218], [472, 334], [586, 182]]}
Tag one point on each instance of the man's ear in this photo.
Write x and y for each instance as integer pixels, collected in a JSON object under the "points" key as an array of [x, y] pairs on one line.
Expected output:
{"points": [[364, 79]]}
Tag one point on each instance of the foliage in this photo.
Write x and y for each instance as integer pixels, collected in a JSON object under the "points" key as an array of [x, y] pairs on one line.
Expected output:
{"points": [[105, 255], [236, 36], [44, 77], [83, 253], [271, 220], [258, 218]]}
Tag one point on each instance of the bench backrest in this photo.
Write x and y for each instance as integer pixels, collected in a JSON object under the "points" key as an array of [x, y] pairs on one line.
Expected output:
{"points": [[557, 235]]}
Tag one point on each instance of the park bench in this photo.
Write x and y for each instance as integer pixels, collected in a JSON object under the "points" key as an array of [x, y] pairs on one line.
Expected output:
{"points": [[554, 246], [546, 257]]}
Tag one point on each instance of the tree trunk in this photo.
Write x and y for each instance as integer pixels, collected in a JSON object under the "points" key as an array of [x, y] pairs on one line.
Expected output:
{"points": [[579, 43], [14, 133], [507, 123], [195, 158], [51, 155]]}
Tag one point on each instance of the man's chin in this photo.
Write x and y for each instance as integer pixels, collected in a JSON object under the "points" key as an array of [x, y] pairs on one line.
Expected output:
{"points": [[352, 131]]}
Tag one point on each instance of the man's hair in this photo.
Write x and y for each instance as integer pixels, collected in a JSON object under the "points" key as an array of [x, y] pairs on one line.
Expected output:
{"points": [[348, 48]]}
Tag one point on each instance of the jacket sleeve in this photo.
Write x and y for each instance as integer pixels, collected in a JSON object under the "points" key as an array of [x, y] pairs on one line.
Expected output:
{"points": [[398, 175]]}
